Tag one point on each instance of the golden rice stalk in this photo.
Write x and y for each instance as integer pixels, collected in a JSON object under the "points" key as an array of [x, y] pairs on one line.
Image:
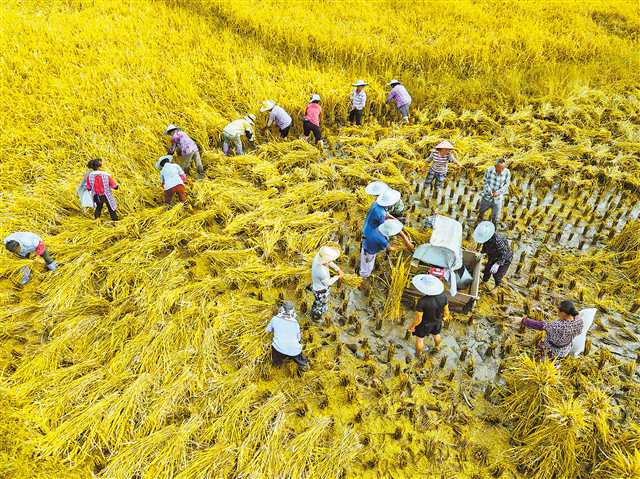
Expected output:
{"points": [[399, 277], [621, 465], [352, 280]]}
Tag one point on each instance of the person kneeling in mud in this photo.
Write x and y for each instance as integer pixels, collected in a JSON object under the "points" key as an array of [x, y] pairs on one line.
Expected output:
{"points": [[430, 312], [286, 338]]}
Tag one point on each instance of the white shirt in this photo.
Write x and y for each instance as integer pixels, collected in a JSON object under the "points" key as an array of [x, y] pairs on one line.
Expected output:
{"points": [[320, 276], [170, 175], [238, 127], [28, 241], [286, 335]]}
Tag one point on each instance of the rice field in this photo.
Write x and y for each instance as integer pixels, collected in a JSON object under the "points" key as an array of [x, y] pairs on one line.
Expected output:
{"points": [[144, 355]]}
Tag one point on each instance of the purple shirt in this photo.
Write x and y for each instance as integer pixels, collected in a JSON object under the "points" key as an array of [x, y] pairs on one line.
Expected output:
{"points": [[400, 94], [184, 144], [280, 117]]}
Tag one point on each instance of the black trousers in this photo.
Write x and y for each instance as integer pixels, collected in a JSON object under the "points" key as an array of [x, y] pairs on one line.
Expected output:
{"points": [[284, 132], [308, 127], [355, 115], [497, 277], [277, 359], [100, 201]]}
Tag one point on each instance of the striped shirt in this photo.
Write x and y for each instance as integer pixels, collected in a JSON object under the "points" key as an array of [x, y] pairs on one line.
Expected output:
{"points": [[280, 117], [358, 99], [495, 182], [400, 94], [440, 164], [498, 250]]}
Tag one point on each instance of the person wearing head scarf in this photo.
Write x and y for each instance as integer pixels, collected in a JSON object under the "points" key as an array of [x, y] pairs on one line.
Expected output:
{"points": [[102, 184], [24, 244], [559, 332], [185, 147], [321, 279], [233, 132], [286, 337], [430, 311]]}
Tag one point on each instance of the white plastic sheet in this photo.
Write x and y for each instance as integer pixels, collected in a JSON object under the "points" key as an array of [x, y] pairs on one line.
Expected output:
{"points": [[577, 345]]}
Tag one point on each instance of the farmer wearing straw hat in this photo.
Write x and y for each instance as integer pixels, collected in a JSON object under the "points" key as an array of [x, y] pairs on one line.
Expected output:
{"points": [[496, 184], [358, 100], [286, 337], [378, 241], [432, 308], [402, 98], [102, 184], [440, 158], [172, 178], [311, 121], [376, 188], [23, 244], [321, 279], [277, 115], [186, 148], [497, 249], [233, 132]]}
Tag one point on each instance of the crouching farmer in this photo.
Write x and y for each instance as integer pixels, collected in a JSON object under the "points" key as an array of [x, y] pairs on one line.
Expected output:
{"points": [[23, 244], [172, 177], [286, 338]]}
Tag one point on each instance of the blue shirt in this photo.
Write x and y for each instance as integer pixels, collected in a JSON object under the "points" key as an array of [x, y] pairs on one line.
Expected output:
{"points": [[375, 243], [375, 217]]}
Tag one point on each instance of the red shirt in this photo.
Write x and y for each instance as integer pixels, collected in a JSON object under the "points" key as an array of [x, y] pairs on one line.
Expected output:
{"points": [[98, 187]]}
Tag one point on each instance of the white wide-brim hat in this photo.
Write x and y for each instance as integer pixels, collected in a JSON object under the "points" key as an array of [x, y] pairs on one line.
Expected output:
{"points": [[170, 127], [484, 231], [389, 197], [251, 118], [267, 105], [427, 284], [445, 144], [390, 228], [376, 188], [393, 82], [329, 253], [315, 97], [360, 83], [165, 157]]}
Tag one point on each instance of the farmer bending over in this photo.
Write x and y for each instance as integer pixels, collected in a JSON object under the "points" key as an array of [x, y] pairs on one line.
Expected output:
{"points": [[23, 244], [286, 338], [186, 148], [497, 249]]}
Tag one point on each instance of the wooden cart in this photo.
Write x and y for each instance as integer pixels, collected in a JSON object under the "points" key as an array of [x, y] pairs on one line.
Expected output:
{"points": [[444, 250]]}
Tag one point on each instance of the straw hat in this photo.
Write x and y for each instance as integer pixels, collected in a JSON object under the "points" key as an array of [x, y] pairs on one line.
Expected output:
{"points": [[389, 197], [328, 253], [315, 97], [390, 228], [267, 105], [484, 232], [360, 83], [170, 128], [165, 157], [427, 284], [445, 144], [250, 118], [393, 82], [376, 188]]}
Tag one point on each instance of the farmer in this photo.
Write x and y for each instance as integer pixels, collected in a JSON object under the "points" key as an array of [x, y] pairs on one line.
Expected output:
{"points": [[187, 149], [102, 184], [286, 337], [233, 132], [497, 249], [23, 243], [440, 158], [496, 185], [311, 121], [321, 279], [430, 311], [358, 100], [376, 188], [402, 98], [559, 333], [172, 178], [278, 116], [377, 241]]}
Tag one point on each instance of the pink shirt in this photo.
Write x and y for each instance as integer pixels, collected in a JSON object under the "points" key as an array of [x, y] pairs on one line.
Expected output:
{"points": [[313, 113], [184, 144]]}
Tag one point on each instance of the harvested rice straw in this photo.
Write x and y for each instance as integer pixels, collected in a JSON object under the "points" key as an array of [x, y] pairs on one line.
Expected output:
{"points": [[352, 280], [399, 276]]}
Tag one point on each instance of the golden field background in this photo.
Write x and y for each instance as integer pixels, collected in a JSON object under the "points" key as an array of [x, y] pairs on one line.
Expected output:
{"points": [[144, 355]]}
